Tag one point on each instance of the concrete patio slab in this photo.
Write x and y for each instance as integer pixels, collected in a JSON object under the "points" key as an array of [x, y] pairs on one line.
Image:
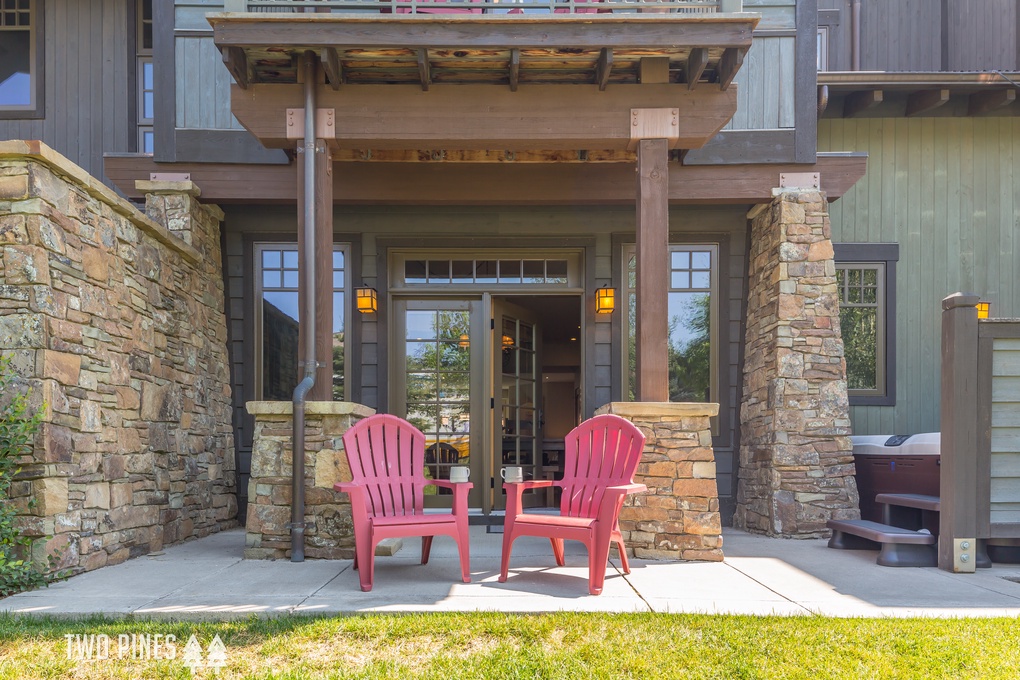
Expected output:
{"points": [[207, 579]]}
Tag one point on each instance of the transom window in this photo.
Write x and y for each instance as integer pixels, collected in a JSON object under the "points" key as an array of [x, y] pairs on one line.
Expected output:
{"points": [[277, 318], [488, 269], [21, 59]]}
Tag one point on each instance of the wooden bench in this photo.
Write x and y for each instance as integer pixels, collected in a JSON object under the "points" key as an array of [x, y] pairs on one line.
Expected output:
{"points": [[899, 547]]}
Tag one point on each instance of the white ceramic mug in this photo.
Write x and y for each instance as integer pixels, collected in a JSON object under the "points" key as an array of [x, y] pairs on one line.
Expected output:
{"points": [[460, 473], [512, 474]]}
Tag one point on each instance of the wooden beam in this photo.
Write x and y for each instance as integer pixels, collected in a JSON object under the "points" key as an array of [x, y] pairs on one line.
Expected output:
{"points": [[652, 316], [923, 101], [985, 102], [423, 69], [730, 63], [490, 183], [323, 291], [331, 65], [515, 68], [483, 117], [604, 68], [959, 418], [858, 102], [237, 64], [696, 63], [583, 31]]}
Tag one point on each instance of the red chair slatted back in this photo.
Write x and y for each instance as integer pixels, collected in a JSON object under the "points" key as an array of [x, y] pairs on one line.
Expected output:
{"points": [[387, 456], [600, 452]]}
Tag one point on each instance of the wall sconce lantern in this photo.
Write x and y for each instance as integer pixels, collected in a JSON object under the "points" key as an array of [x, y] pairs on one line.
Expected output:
{"points": [[605, 300], [366, 299], [983, 308]]}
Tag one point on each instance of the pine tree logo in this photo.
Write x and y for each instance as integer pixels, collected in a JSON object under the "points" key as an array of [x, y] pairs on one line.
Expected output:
{"points": [[217, 655], [193, 654]]}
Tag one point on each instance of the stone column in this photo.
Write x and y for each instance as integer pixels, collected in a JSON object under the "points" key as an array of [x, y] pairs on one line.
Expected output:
{"points": [[330, 532], [796, 462], [678, 517]]}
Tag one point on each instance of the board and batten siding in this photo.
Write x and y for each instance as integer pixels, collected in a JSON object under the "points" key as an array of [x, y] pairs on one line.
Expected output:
{"points": [[907, 35], [947, 190], [765, 86], [1005, 440], [203, 83], [89, 90]]}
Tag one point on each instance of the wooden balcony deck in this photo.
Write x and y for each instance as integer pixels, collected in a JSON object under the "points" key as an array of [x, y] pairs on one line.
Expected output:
{"points": [[496, 49]]}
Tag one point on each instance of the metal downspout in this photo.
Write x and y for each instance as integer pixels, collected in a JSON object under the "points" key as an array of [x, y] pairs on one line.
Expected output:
{"points": [[297, 512], [855, 35]]}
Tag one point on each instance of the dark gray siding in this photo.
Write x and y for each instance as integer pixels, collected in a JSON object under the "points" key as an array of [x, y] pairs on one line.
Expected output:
{"points": [[89, 82], [926, 35]]}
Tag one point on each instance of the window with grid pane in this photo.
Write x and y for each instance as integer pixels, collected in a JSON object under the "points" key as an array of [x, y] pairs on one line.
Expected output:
{"points": [[861, 318], [20, 59]]}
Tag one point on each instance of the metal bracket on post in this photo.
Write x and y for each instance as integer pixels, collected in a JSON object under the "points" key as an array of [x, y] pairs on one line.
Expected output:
{"points": [[654, 124], [800, 180], [325, 124]]}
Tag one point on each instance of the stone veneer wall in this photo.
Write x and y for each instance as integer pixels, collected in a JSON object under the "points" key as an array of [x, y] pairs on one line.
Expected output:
{"points": [[678, 518], [330, 532], [796, 464], [117, 324]]}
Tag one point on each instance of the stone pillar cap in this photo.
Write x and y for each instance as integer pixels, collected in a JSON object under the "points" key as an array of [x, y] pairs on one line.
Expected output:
{"points": [[168, 187], [659, 408]]}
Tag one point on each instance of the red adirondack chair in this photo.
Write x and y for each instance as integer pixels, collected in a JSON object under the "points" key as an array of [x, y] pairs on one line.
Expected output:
{"points": [[387, 459], [601, 457]]}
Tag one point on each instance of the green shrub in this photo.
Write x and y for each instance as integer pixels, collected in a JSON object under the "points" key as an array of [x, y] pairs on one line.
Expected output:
{"points": [[17, 431]]}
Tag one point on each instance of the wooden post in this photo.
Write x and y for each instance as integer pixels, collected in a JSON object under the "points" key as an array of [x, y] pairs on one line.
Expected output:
{"points": [[958, 485], [323, 390], [652, 270]]}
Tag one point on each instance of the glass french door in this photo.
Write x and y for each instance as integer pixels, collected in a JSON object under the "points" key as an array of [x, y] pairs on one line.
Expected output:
{"points": [[467, 374], [437, 390], [518, 426]]}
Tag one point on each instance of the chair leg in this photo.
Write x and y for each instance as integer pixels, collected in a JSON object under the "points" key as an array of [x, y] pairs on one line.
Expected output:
{"points": [[464, 549], [366, 562], [426, 548], [598, 559], [504, 560], [624, 564], [557, 546]]}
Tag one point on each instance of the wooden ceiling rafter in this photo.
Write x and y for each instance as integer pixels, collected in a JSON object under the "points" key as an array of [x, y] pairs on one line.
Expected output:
{"points": [[697, 60]]}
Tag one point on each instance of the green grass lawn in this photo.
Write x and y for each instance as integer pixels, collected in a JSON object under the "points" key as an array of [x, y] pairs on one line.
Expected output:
{"points": [[495, 645]]}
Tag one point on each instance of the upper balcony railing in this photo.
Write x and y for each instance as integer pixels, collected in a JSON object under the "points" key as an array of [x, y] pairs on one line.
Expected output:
{"points": [[489, 7]]}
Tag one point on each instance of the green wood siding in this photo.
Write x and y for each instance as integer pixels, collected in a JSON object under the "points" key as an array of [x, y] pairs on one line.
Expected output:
{"points": [[948, 191]]}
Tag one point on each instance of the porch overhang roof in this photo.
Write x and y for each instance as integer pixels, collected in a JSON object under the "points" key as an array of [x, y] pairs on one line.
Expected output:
{"points": [[555, 81], [495, 183]]}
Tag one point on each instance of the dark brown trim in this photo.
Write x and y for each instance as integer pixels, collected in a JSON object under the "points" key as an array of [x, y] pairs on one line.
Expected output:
{"points": [[806, 83], [38, 40], [442, 183], [165, 81], [889, 254], [737, 147], [958, 485], [198, 145], [999, 328], [944, 33]]}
